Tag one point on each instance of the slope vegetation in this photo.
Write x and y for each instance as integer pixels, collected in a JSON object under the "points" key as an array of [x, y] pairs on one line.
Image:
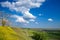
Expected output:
{"points": [[7, 33], [12, 33]]}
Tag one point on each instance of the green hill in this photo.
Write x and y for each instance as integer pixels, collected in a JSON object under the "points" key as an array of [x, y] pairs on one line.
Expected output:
{"points": [[12, 33], [7, 33]]}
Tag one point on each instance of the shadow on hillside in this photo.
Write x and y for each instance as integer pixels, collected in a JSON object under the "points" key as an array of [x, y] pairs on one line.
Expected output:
{"points": [[36, 36]]}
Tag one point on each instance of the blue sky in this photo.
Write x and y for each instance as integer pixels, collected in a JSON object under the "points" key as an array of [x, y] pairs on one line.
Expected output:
{"points": [[33, 14]]}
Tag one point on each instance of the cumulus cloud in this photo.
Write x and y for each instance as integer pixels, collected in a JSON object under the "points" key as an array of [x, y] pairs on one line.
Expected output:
{"points": [[19, 19], [23, 6], [28, 15], [50, 19]]}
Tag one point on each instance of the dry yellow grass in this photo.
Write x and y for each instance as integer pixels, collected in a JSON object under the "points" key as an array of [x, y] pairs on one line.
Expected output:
{"points": [[8, 33]]}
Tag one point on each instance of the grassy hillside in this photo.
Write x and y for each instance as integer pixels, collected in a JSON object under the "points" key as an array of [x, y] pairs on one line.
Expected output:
{"points": [[12, 33], [28, 34], [24, 33], [7, 33]]}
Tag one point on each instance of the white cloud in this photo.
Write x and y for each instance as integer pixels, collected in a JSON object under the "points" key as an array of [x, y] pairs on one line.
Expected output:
{"points": [[28, 15], [19, 19], [8, 4], [40, 14], [32, 20], [23, 6], [50, 19]]}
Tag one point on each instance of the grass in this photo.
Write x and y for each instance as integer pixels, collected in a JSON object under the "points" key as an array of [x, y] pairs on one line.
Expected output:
{"points": [[8, 33], [12, 33]]}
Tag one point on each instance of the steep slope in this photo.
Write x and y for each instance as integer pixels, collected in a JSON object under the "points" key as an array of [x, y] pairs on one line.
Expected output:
{"points": [[31, 34], [12, 33], [7, 33], [24, 33]]}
